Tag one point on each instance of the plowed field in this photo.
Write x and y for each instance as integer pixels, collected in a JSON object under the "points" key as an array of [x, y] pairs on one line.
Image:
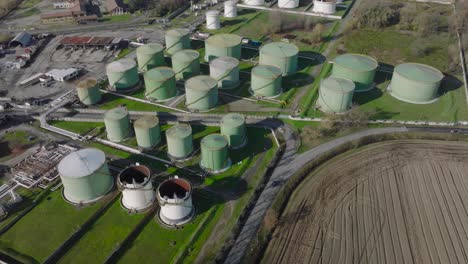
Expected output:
{"points": [[393, 202]]}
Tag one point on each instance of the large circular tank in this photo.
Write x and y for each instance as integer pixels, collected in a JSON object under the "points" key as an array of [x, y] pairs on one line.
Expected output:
{"points": [[415, 83], [122, 75], [160, 84], [175, 198], [233, 128], [137, 190], [226, 71], [335, 95], [326, 7], [214, 153], [230, 8], [358, 68], [85, 176], [254, 2], [201, 93], [117, 123], [221, 45], [280, 54], [177, 39], [186, 64], [266, 81], [88, 91], [150, 56], [288, 3], [179, 141], [212, 19], [147, 131]]}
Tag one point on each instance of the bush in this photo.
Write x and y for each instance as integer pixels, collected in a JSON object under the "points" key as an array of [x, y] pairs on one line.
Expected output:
{"points": [[378, 14], [421, 47], [429, 23]]}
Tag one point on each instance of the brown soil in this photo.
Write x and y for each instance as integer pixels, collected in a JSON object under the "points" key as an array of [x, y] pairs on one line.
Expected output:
{"points": [[394, 202]]}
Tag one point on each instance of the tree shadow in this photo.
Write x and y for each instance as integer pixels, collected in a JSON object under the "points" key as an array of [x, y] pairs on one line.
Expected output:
{"points": [[383, 114]]}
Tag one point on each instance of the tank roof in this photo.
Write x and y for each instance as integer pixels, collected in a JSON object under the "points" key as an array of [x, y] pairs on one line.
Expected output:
{"points": [[177, 32], [280, 49], [87, 83], [179, 131], [212, 12], [121, 65], [116, 113], [357, 62], [233, 119], [186, 55], [81, 163], [214, 141], [201, 83], [137, 174], [176, 186], [225, 63], [224, 40], [146, 121], [339, 85], [266, 71], [419, 72], [150, 48], [159, 74]]}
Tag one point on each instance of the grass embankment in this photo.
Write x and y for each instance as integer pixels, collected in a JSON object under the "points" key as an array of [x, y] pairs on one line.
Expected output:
{"points": [[13, 143]]}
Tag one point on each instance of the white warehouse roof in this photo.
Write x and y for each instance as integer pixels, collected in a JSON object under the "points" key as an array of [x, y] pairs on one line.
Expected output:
{"points": [[62, 74]]}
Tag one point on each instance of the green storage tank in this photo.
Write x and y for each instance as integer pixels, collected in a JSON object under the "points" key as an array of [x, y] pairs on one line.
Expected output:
{"points": [[214, 152], [186, 64], [85, 176], [222, 45], [179, 141], [88, 91], [415, 83], [280, 54], [266, 81], [233, 128], [150, 56], [358, 68], [177, 39], [122, 75], [160, 84], [147, 131], [335, 95], [201, 93], [117, 123], [226, 71]]}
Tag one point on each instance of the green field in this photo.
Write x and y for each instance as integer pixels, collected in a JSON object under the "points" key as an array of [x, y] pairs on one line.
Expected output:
{"points": [[110, 101]]}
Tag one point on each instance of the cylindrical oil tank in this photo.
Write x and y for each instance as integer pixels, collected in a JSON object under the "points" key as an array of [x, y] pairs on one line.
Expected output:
{"points": [[288, 3], [233, 128], [358, 68], [160, 84], [175, 199], [221, 45], [214, 153], [335, 95], [137, 190], [150, 56], [147, 131], [186, 64], [415, 83], [254, 2], [201, 93], [88, 92], [212, 19], [230, 8], [226, 71], [266, 81], [85, 176], [179, 141], [122, 75], [117, 123], [177, 39], [280, 54], [327, 7]]}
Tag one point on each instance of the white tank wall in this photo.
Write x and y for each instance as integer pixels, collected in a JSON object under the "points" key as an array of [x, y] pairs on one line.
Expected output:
{"points": [[288, 3], [176, 212], [140, 198], [254, 2], [212, 20], [326, 8], [230, 8], [339, 1]]}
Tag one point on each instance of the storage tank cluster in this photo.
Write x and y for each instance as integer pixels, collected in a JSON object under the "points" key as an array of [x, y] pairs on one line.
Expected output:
{"points": [[201, 93], [226, 71], [175, 199], [88, 91], [147, 131], [266, 81], [117, 122], [122, 75], [214, 153], [327, 7], [280, 54], [177, 39], [415, 83], [179, 142], [335, 95], [137, 189], [223, 45], [213, 19], [150, 56], [160, 84], [358, 68], [230, 8], [186, 64], [233, 128], [288, 3]]}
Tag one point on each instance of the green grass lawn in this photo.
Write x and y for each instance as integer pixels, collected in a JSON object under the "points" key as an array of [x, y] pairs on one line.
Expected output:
{"points": [[28, 196], [19, 137], [115, 19], [81, 128], [110, 101]]}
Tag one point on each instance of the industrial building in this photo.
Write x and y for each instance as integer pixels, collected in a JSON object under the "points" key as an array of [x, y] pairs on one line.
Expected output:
{"points": [[222, 45], [22, 39], [201, 93], [62, 75], [150, 56], [266, 81], [233, 128], [179, 141], [230, 8], [177, 39], [226, 71], [160, 84], [137, 189], [335, 95], [186, 64], [85, 176], [254, 2], [415, 83], [213, 19], [175, 198], [122, 75], [147, 131], [117, 123], [326, 7], [92, 42], [280, 54], [88, 92], [214, 153], [288, 3], [358, 68]]}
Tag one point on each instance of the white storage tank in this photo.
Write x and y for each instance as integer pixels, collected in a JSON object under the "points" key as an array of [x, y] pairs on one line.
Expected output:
{"points": [[288, 3], [137, 189], [326, 7], [230, 8], [254, 2], [175, 198], [212, 19]]}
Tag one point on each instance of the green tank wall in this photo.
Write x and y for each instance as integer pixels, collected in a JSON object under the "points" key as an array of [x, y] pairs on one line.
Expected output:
{"points": [[89, 96], [147, 136], [197, 99], [117, 129], [177, 39], [264, 85], [214, 158], [160, 85], [150, 56], [280, 54], [123, 80], [234, 130], [186, 66], [413, 91], [335, 99], [222, 45], [358, 68], [179, 145]]}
